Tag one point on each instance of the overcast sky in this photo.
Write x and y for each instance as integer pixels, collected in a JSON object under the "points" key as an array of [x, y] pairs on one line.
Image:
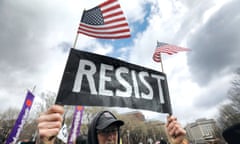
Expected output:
{"points": [[36, 36]]}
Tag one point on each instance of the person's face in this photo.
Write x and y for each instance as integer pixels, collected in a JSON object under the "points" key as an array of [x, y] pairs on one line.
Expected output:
{"points": [[108, 135]]}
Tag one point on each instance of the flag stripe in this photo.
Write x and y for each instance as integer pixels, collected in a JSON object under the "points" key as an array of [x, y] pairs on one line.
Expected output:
{"points": [[117, 36], [105, 21], [104, 30], [157, 57], [116, 13], [106, 3], [166, 48], [116, 20], [107, 32], [113, 15], [170, 49], [122, 25], [111, 8]]}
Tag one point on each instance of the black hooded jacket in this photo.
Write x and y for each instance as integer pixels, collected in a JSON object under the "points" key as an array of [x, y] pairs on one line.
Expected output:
{"points": [[232, 134], [92, 131]]}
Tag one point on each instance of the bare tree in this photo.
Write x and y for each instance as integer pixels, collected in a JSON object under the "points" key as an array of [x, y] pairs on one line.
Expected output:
{"points": [[10, 114], [230, 112], [46, 100], [7, 121], [138, 130]]}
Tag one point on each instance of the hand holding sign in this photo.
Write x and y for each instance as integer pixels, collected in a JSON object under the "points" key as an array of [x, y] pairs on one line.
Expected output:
{"points": [[50, 123], [175, 130]]}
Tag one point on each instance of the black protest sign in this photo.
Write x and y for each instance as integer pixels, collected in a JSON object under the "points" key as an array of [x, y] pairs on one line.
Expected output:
{"points": [[95, 80]]}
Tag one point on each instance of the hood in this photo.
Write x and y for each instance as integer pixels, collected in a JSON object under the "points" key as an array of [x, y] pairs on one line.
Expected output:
{"points": [[92, 131], [232, 134]]}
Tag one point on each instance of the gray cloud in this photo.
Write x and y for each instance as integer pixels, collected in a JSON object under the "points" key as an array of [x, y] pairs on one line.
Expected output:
{"points": [[192, 18], [212, 97], [215, 46], [24, 28]]}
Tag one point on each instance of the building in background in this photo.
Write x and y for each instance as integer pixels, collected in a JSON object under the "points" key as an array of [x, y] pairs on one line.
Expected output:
{"points": [[203, 131], [141, 130], [135, 115]]}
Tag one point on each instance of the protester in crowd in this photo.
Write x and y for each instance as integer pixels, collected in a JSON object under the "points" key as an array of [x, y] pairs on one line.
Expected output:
{"points": [[82, 139], [28, 142], [104, 127], [162, 141], [25, 141], [232, 134]]}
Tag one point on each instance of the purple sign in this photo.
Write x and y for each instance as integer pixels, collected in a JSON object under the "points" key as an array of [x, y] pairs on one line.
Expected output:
{"points": [[22, 117], [76, 124]]}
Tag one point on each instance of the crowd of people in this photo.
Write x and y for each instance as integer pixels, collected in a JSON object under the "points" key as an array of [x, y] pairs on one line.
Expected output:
{"points": [[104, 128]]}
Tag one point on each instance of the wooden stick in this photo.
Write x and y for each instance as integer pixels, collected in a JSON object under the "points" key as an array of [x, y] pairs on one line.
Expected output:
{"points": [[75, 42]]}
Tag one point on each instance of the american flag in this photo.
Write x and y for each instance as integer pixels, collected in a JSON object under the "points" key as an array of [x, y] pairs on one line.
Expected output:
{"points": [[166, 48], [105, 21]]}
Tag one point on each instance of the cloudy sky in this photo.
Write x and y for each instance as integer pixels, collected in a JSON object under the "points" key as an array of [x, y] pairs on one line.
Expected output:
{"points": [[36, 36]]}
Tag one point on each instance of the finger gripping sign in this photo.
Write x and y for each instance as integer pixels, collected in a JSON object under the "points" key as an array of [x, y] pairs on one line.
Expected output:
{"points": [[94, 80]]}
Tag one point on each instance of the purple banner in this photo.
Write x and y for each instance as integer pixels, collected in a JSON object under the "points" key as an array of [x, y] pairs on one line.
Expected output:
{"points": [[22, 117], [76, 124]]}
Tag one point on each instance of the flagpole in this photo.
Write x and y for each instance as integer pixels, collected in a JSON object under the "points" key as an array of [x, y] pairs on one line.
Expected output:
{"points": [[161, 62], [75, 42], [33, 88], [163, 72]]}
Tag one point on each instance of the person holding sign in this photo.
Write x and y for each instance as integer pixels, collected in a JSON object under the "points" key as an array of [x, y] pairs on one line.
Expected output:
{"points": [[82, 139], [103, 128]]}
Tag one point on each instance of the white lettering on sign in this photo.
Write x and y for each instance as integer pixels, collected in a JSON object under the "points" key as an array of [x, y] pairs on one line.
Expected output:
{"points": [[142, 76], [159, 78], [82, 70], [103, 79], [128, 91], [107, 73], [135, 84]]}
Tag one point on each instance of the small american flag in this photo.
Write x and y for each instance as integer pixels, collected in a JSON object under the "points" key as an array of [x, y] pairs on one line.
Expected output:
{"points": [[166, 48], [105, 21]]}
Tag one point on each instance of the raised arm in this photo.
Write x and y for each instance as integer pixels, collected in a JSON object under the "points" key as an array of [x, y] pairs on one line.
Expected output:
{"points": [[175, 130], [49, 124]]}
